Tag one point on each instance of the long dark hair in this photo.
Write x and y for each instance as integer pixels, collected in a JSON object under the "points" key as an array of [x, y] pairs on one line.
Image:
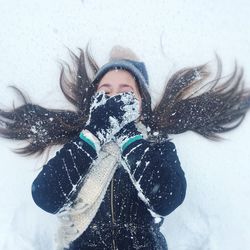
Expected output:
{"points": [[188, 103]]}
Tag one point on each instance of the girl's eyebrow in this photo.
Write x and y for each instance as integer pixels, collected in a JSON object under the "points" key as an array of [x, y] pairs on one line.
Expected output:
{"points": [[108, 85], [126, 85], [104, 85]]}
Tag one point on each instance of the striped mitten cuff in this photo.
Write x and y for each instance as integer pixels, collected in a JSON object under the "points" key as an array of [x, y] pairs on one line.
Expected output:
{"points": [[127, 136], [89, 138]]}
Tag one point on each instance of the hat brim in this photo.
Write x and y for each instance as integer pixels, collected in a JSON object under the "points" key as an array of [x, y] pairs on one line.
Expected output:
{"points": [[121, 65]]}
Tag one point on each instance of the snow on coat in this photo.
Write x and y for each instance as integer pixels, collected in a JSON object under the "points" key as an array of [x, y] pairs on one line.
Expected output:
{"points": [[146, 185]]}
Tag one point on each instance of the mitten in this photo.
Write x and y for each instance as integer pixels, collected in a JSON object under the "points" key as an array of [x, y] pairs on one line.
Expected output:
{"points": [[109, 114], [127, 135]]}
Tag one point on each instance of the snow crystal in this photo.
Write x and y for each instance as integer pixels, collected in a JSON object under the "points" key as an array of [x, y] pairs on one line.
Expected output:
{"points": [[158, 220], [114, 124], [33, 129], [155, 188]]}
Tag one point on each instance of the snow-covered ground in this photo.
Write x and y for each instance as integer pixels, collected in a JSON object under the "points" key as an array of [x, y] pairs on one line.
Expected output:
{"points": [[167, 35]]}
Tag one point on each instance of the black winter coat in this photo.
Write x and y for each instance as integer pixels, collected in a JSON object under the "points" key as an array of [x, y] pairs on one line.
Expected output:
{"points": [[124, 221]]}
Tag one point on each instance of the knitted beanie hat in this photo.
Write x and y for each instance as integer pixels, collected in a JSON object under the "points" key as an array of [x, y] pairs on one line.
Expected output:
{"points": [[124, 60]]}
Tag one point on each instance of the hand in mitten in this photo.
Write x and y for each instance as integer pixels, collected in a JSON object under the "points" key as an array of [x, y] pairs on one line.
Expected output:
{"points": [[127, 135], [109, 114]]}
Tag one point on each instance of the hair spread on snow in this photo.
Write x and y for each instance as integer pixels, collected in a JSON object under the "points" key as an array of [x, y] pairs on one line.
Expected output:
{"points": [[189, 102]]}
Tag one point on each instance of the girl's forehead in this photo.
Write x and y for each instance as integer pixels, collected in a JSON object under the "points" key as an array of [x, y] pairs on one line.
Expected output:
{"points": [[118, 75], [120, 72]]}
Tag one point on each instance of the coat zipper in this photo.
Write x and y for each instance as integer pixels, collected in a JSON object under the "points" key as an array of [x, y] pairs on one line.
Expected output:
{"points": [[112, 213]]}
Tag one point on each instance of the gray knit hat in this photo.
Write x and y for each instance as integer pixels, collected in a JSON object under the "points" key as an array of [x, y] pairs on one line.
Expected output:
{"points": [[136, 68]]}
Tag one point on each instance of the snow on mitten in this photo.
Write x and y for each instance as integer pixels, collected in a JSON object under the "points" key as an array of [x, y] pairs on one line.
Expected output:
{"points": [[109, 114]]}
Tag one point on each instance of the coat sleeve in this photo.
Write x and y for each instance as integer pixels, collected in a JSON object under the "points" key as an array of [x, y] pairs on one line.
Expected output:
{"points": [[155, 170], [58, 183]]}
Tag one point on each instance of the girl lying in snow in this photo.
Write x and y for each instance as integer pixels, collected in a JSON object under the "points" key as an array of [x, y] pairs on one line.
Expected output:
{"points": [[118, 174]]}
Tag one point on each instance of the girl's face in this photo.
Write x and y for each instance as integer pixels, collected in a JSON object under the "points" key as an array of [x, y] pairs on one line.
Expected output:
{"points": [[119, 81]]}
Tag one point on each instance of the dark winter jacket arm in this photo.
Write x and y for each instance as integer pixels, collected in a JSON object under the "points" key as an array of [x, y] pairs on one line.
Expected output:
{"points": [[58, 182], [155, 170]]}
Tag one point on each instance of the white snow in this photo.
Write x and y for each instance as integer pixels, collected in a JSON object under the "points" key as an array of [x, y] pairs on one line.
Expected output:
{"points": [[167, 35]]}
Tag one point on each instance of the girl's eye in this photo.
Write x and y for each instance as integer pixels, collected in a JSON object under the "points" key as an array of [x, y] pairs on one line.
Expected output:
{"points": [[104, 89], [127, 89]]}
